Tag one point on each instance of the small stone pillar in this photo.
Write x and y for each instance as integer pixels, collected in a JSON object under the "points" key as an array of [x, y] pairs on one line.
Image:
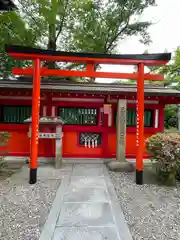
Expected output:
{"points": [[121, 130], [58, 147], [121, 165]]}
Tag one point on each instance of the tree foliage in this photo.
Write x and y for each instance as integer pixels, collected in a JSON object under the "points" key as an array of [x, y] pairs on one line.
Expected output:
{"points": [[172, 71], [77, 25], [12, 31], [105, 23], [170, 116]]}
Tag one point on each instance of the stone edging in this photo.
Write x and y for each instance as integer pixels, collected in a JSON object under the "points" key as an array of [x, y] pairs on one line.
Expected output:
{"points": [[122, 227], [50, 224]]}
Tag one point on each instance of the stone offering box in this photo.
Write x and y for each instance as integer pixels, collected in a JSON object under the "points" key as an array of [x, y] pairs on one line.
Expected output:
{"points": [[50, 128]]}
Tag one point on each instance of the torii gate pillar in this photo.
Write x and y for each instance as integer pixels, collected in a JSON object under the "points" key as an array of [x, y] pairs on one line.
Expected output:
{"points": [[140, 124], [35, 122]]}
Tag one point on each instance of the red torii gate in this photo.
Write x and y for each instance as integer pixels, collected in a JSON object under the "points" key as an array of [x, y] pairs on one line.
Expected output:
{"points": [[90, 59]]}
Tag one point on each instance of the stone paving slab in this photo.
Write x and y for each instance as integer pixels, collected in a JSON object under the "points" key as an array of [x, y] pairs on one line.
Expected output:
{"points": [[89, 166], [85, 214], [90, 233], [83, 170], [85, 194], [85, 182], [86, 208]]}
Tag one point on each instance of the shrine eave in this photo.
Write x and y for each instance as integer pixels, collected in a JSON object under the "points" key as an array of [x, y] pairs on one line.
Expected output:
{"points": [[150, 90], [21, 52]]}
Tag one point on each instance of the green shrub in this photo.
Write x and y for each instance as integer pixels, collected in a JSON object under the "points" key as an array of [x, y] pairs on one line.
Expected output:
{"points": [[4, 138], [164, 151]]}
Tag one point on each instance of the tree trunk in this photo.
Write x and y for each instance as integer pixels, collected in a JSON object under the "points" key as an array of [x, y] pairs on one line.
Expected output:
{"points": [[52, 43]]}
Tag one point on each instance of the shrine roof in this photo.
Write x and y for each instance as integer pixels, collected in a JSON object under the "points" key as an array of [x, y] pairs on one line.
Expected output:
{"points": [[67, 86], [6, 5]]}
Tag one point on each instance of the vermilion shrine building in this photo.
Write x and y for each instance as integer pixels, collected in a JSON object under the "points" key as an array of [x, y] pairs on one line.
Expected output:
{"points": [[100, 121], [88, 131]]}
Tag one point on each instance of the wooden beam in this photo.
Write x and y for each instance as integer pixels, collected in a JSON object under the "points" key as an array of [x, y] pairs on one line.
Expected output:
{"points": [[85, 60], [87, 73]]}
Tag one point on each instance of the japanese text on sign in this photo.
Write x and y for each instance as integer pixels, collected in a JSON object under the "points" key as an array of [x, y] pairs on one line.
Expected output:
{"points": [[137, 123]]}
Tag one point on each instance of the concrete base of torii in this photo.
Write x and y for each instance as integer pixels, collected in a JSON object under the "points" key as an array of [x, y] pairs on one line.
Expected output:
{"points": [[121, 166]]}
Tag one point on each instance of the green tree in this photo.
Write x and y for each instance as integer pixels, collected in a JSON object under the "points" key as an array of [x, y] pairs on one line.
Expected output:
{"points": [[170, 116], [171, 71], [84, 25], [12, 31], [100, 25]]}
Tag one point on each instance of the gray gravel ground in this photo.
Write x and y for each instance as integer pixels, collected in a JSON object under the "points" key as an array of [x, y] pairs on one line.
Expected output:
{"points": [[24, 207], [151, 211]]}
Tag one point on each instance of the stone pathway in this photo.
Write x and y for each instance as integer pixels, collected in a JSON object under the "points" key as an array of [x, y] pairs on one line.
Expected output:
{"points": [[86, 208]]}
